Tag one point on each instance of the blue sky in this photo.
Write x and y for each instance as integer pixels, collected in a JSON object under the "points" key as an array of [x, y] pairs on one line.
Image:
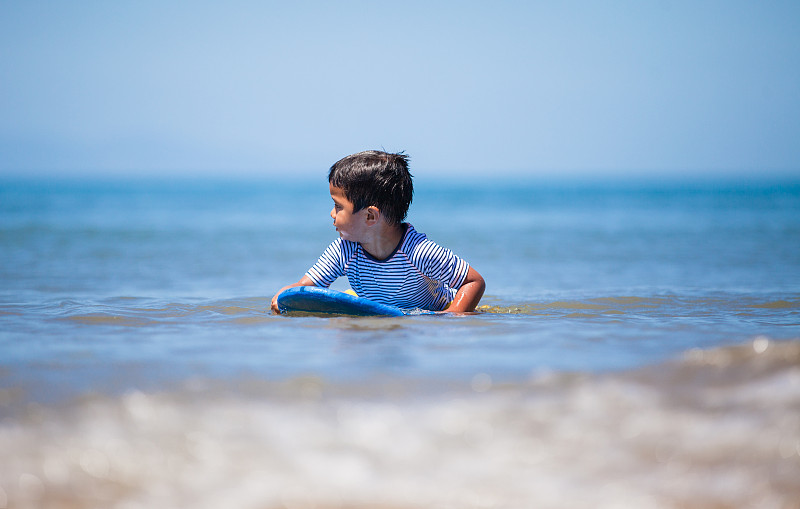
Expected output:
{"points": [[479, 88]]}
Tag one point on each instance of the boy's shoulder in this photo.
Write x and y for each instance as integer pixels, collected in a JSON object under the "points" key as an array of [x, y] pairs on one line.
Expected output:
{"points": [[418, 246], [346, 247], [412, 237]]}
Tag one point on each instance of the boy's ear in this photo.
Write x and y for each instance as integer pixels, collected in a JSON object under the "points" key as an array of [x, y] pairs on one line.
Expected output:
{"points": [[373, 214]]}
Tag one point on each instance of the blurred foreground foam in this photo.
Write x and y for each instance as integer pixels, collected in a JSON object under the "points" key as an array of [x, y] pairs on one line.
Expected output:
{"points": [[715, 428]]}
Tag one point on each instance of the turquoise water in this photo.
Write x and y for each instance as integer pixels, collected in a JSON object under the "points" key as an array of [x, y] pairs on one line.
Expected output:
{"points": [[618, 315]]}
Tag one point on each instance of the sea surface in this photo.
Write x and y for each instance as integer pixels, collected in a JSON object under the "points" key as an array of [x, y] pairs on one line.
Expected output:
{"points": [[638, 346]]}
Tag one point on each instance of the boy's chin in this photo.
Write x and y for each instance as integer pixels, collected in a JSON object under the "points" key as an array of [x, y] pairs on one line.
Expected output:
{"points": [[347, 237]]}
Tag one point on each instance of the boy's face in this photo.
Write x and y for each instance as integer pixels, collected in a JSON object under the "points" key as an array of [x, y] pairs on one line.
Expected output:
{"points": [[349, 225]]}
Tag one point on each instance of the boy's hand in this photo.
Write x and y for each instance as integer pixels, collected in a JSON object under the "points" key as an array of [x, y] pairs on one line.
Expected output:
{"points": [[274, 303], [304, 281]]}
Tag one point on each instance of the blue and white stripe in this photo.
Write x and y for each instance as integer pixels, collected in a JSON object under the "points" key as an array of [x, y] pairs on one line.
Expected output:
{"points": [[419, 274]]}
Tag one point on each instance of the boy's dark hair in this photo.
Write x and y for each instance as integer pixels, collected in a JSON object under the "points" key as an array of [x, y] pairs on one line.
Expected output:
{"points": [[378, 179]]}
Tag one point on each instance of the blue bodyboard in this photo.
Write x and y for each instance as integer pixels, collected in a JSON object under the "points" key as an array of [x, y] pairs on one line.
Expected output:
{"points": [[316, 300]]}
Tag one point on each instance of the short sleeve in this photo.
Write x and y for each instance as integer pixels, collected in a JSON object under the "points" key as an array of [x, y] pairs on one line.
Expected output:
{"points": [[330, 265], [440, 264]]}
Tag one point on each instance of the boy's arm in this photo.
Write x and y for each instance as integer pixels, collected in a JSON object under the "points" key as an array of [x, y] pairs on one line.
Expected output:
{"points": [[469, 293], [304, 281]]}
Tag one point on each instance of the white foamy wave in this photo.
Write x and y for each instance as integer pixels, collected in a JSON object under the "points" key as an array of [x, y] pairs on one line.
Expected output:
{"points": [[718, 428]]}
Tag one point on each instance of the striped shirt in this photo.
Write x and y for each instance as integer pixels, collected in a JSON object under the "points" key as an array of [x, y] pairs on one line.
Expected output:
{"points": [[419, 274]]}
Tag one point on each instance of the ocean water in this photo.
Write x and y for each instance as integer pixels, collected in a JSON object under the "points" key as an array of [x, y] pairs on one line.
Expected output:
{"points": [[638, 345]]}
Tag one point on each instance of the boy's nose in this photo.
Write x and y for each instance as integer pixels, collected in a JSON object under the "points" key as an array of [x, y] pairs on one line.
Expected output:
{"points": [[333, 213]]}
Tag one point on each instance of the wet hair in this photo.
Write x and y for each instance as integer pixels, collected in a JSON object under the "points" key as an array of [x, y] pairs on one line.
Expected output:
{"points": [[377, 179]]}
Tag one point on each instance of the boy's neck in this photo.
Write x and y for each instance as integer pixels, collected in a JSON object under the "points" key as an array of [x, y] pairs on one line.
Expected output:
{"points": [[385, 240]]}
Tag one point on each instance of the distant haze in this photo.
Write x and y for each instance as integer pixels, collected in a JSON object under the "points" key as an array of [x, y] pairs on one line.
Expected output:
{"points": [[475, 88]]}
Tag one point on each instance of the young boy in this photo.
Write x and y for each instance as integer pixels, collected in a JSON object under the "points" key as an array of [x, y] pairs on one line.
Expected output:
{"points": [[385, 259]]}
